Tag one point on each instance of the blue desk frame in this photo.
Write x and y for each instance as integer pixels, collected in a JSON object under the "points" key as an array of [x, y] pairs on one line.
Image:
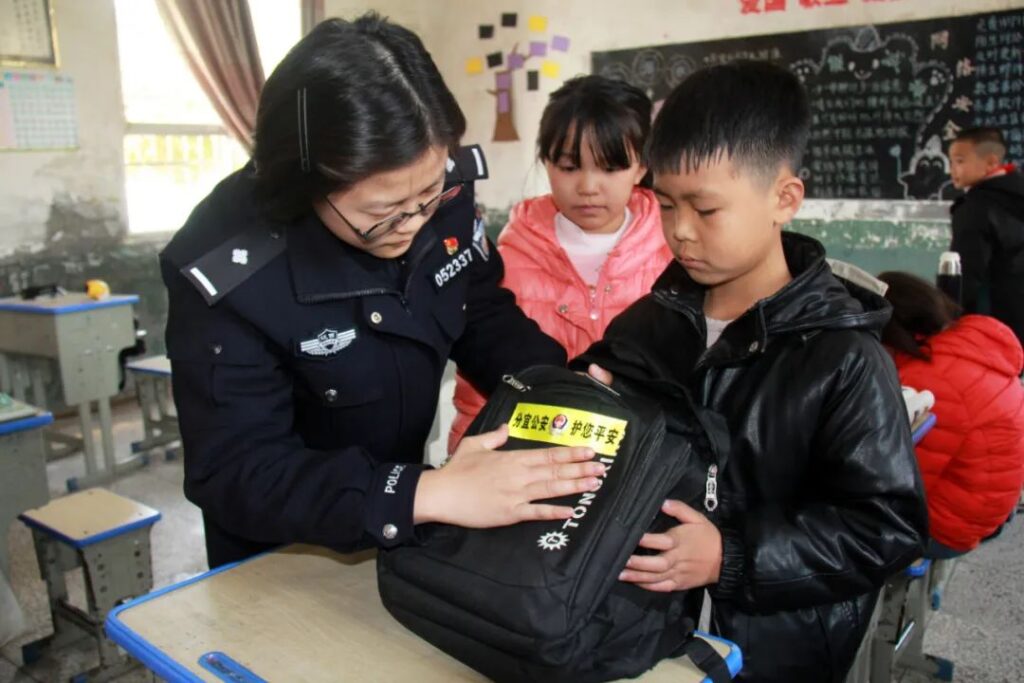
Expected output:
{"points": [[170, 670]]}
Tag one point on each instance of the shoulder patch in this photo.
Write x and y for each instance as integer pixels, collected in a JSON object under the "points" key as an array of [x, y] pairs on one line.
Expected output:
{"points": [[222, 269], [468, 164]]}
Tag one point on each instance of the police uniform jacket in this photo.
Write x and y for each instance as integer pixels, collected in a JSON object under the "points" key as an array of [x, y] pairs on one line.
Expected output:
{"points": [[306, 372]]}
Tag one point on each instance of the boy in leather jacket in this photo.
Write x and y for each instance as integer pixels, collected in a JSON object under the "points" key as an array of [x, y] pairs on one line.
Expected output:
{"points": [[819, 496]]}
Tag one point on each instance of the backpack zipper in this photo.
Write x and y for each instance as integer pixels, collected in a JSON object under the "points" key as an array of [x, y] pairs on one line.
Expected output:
{"points": [[515, 383], [711, 489]]}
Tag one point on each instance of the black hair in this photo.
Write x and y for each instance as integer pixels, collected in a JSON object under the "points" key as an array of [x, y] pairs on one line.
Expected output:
{"points": [[351, 99], [985, 140], [754, 113], [613, 115], [919, 311]]}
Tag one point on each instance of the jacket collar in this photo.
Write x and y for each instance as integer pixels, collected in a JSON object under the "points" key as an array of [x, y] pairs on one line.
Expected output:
{"points": [[531, 230], [813, 300], [324, 267]]}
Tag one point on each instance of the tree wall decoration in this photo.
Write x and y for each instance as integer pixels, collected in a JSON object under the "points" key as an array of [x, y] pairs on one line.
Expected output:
{"points": [[537, 51]]}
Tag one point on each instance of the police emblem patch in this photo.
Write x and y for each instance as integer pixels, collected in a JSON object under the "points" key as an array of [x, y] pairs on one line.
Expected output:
{"points": [[480, 237], [328, 342], [451, 245]]}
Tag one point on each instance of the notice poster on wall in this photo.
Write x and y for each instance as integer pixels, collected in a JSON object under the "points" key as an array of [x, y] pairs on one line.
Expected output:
{"points": [[37, 111], [885, 99], [27, 36]]}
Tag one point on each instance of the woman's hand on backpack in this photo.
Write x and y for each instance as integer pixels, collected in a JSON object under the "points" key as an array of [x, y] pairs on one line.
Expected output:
{"points": [[691, 553], [480, 487]]}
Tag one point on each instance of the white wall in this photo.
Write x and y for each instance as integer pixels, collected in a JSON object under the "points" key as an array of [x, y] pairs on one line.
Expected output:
{"points": [[448, 28], [93, 174]]}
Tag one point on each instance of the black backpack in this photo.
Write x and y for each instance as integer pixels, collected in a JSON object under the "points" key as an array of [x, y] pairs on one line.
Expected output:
{"points": [[541, 601]]}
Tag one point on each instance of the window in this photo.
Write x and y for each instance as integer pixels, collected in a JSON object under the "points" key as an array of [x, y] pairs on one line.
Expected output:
{"points": [[175, 148]]}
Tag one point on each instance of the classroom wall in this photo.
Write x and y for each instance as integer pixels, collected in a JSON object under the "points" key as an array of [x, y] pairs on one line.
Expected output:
{"points": [[90, 179], [874, 235], [62, 213]]}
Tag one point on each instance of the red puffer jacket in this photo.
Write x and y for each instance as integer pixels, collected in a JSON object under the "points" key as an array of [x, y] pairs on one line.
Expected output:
{"points": [[972, 462]]}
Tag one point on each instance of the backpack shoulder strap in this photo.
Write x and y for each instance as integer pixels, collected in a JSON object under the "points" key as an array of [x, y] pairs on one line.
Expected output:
{"points": [[706, 658]]}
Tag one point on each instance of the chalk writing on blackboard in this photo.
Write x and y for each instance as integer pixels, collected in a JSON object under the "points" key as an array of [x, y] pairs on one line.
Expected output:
{"points": [[885, 99], [865, 87]]}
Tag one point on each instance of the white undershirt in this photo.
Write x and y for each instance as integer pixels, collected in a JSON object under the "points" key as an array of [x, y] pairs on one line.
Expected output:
{"points": [[715, 329], [587, 251]]}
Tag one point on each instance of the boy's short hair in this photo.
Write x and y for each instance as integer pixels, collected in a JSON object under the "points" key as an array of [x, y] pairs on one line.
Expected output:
{"points": [[753, 112], [985, 140]]}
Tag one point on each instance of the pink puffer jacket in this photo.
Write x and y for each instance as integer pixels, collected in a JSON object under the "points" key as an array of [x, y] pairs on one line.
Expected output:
{"points": [[549, 290]]}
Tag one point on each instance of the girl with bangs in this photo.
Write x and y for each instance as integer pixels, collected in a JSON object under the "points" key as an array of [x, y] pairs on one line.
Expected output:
{"points": [[577, 257]]}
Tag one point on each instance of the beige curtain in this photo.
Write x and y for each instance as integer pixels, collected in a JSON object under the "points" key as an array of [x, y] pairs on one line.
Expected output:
{"points": [[312, 14], [219, 44]]}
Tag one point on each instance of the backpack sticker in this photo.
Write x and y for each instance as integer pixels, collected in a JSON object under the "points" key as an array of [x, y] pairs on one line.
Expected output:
{"points": [[567, 427]]}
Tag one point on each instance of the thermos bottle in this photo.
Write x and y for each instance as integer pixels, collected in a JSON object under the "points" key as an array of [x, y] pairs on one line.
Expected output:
{"points": [[950, 278]]}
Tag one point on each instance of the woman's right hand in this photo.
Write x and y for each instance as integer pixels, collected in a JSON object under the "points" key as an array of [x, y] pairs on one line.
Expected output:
{"points": [[480, 487]]}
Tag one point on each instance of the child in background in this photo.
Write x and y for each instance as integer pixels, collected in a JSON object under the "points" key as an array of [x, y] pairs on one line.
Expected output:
{"points": [[579, 256], [819, 497], [988, 226], [972, 461]]}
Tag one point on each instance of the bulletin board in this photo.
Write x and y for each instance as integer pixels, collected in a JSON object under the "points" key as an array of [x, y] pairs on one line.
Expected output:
{"points": [[885, 99], [37, 111], [27, 33]]}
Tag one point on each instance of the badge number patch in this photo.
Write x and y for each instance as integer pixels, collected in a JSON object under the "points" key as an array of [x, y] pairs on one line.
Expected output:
{"points": [[328, 342], [448, 271]]}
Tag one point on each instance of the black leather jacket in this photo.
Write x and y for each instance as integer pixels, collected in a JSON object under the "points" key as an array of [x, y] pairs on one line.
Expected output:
{"points": [[988, 233], [821, 499]]}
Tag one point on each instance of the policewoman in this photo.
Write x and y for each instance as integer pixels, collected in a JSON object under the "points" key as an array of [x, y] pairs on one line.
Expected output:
{"points": [[314, 299]]}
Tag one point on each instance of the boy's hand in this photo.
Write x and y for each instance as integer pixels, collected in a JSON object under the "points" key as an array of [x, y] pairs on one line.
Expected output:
{"points": [[600, 374], [691, 553]]}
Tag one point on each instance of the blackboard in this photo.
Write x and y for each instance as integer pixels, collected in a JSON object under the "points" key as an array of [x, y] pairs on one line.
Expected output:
{"points": [[886, 99]]}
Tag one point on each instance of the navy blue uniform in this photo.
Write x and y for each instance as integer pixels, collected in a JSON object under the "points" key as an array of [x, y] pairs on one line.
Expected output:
{"points": [[306, 372]]}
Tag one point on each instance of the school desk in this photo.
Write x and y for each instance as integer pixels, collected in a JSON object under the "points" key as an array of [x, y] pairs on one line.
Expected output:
{"points": [[22, 470], [83, 338], [153, 385], [298, 614]]}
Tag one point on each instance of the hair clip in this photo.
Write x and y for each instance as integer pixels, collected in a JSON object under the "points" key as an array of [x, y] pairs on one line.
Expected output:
{"points": [[303, 131]]}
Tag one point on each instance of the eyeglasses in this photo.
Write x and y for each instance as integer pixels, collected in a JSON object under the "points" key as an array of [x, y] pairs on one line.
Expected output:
{"points": [[385, 226]]}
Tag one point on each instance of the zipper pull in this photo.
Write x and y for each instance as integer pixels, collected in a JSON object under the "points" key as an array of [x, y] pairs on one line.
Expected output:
{"points": [[711, 489], [514, 383]]}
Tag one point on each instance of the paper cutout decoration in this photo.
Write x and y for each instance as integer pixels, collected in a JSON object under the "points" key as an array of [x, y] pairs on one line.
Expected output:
{"points": [[538, 24], [506, 61]]}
